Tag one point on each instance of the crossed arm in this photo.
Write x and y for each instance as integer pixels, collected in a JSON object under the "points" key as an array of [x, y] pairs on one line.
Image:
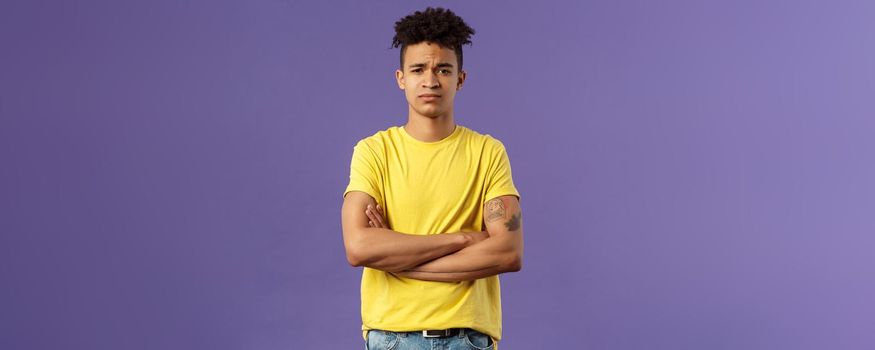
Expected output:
{"points": [[451, 257]]}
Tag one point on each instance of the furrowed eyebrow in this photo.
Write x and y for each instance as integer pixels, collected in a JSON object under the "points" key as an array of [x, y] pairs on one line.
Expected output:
{"points": [[439, 65]]}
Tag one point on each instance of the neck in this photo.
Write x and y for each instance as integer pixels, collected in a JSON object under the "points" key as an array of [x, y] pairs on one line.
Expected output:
{"points": [[430, 129]]}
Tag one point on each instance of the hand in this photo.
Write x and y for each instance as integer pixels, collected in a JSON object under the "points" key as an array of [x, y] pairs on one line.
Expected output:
{"points": [[476, 236], [375, 217]]}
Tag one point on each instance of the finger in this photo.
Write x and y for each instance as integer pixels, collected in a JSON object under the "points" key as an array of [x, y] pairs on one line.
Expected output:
{"points": [[370, 215], [379, 217], [371, 223], [378, 221]]}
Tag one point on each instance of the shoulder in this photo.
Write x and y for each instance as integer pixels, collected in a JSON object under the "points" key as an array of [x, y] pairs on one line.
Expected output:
{"points": [[488, 142], [379, 139]]}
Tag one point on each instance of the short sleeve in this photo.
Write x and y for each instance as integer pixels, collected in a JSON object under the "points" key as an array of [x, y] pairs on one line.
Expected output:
{"points": [[499, 181], [364, 172]]}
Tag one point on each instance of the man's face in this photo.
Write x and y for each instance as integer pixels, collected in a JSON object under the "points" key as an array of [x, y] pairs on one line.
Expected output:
{"points": [[430, 78]]}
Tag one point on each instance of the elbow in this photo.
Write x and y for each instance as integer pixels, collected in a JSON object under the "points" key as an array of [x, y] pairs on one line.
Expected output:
{"points": [[357, 255], [354, 254], [357, 259], [516, 267], [353, 259], [514, 263]]}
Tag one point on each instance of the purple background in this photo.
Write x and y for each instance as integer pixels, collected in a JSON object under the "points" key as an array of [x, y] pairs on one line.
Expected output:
{"points": [[695, 174]]}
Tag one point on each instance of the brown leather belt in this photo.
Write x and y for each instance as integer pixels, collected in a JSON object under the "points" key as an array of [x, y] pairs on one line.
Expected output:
{"points": [[434, 333]]}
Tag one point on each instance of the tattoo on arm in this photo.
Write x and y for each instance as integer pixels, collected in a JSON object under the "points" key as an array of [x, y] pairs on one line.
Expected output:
{"points": [[494, 210], [514, 223]]}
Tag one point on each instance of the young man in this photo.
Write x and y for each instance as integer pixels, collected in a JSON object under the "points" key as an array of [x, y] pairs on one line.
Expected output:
{"points": [[431, 211]]}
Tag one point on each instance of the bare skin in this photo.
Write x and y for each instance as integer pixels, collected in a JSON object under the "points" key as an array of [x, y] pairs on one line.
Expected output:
{"points": [[430, 69], [377, 219], [388, 250], [430, 77], [500, 252]]}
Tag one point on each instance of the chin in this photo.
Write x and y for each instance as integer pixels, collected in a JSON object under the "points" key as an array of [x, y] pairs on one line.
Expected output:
{"points": [[431, 110], [431, 114]]}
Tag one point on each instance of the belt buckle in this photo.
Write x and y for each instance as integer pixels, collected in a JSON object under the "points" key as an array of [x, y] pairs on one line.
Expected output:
{"points": [[425, 333]]}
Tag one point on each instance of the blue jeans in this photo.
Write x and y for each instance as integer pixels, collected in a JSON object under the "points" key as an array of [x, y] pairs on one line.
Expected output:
{"points": [[467, 339]]}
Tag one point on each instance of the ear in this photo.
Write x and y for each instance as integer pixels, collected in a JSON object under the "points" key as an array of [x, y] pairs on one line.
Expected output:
{"points": [[462, 75], [399, 76]]}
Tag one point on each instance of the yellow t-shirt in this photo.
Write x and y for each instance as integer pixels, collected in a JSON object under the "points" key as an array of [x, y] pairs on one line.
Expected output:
{"points": [[430, 188]]}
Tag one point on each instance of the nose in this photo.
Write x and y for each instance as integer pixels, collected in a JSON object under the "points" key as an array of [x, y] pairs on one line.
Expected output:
{"points": [[430, 80]]}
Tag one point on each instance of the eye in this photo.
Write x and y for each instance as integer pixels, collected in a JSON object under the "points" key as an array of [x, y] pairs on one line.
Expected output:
{"points": [[445, 71]]}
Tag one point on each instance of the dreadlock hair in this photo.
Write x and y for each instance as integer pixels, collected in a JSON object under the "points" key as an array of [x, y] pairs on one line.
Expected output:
{"points": [[437, 25]]}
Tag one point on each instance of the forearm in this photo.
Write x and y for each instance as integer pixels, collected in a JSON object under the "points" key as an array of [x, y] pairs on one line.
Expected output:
{"points": [[392, 251], [451, 276], [489, 257]]}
